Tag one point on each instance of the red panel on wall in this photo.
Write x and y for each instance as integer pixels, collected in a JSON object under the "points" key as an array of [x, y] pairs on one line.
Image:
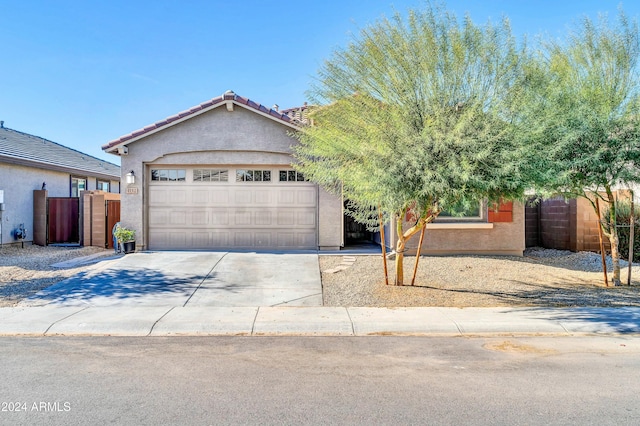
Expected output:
{"points": [[501, 212]]}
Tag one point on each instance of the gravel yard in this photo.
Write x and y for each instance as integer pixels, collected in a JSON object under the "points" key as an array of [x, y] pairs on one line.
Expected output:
{"points": [[540, 278], [25, 271]]}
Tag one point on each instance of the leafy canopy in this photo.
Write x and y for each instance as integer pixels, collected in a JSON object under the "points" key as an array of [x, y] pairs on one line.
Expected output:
{"points": [[415, 113], [583, 112]]}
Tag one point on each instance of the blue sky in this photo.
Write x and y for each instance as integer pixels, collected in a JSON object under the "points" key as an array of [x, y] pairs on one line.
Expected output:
{"points": [[82, 73]]}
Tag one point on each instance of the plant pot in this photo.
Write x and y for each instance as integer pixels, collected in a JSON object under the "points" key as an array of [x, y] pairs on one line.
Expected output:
{"points": [[128, 247]]}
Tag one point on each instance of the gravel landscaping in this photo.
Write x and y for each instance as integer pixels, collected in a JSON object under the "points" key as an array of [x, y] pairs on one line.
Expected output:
{"points": [[540, 278], [25, 271]]}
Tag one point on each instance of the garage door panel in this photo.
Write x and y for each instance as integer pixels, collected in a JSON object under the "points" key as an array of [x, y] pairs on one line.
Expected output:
{"points": [[199, 218], [178, 217], [262, 239], [243, 197], [242, 215], [306, 197], [263, 197], [200, 196], [263, 218], [286, 217], [306, 217], [158, 217]]}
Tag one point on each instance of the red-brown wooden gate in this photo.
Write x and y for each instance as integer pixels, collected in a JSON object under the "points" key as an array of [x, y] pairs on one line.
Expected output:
{"points": [[112, 210], [63, 220]]}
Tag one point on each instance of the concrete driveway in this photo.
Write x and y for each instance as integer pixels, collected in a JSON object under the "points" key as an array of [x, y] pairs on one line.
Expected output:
{"points": [[224, 279]]}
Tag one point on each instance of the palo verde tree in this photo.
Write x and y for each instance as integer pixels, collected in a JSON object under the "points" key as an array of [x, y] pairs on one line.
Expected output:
{"points": [[583, 116], [413, 116]]}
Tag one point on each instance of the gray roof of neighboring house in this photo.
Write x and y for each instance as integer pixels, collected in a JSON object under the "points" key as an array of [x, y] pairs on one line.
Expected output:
{"points": [[33, 151]]}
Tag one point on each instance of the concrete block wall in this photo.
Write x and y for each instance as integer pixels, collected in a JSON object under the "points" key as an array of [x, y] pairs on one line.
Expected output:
{"points": [[532, 216], [555, 223]]}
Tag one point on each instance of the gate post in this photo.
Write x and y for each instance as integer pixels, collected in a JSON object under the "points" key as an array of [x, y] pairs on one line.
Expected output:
{"points": [[40, 217]]}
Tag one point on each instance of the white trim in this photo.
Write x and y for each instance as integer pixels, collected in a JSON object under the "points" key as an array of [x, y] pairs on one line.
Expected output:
{"points": [[459, 225]]}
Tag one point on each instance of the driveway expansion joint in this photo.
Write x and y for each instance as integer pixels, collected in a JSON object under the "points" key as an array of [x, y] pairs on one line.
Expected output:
{"points": [[159, 319], [62, 319]]}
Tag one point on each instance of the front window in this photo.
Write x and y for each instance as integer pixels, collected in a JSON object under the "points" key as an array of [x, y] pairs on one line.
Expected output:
{"points": [[78, 185], [471, 210]]}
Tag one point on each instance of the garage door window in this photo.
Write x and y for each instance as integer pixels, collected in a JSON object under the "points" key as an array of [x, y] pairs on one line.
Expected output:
{"points": [[168, 175], [210, 175], [253, 175], [291, 176]]}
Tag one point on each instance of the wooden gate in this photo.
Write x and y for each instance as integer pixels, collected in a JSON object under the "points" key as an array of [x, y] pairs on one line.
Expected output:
{"points": [[112, 210], [63, 220]]}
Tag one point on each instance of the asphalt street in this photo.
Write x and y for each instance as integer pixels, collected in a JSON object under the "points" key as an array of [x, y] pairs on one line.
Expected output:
{"points": [[320, 380]]}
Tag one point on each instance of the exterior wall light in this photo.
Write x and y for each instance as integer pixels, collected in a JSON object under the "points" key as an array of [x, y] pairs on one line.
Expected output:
{"points": [[131, 177]]}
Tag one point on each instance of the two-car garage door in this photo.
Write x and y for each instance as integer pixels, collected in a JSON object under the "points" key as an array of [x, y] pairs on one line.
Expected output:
{"points": [[229, 208]]}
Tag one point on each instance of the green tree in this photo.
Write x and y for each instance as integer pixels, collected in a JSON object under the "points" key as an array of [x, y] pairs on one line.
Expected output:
{"points": [[414, 115], [582, 114]]}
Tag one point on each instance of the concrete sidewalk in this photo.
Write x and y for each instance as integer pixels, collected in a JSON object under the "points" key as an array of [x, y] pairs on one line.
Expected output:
{"points": [[129, 320]]}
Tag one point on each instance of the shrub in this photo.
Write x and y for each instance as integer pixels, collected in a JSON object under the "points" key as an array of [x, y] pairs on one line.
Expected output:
{"points": [[124, 235]]}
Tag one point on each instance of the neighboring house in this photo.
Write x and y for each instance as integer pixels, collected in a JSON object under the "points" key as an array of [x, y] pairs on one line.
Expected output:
{"points": [[219, 176], [29, 163]]}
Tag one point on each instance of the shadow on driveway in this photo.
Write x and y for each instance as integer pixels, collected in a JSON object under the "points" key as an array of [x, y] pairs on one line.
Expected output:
{"points": [[114, 286]]}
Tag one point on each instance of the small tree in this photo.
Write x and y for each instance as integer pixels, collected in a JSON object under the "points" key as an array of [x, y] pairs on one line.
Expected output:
{"points": [[415, 117], [583, 116]]}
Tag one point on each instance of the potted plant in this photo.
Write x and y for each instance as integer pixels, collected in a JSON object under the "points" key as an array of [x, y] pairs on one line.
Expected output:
{"points": [[126, 238]]}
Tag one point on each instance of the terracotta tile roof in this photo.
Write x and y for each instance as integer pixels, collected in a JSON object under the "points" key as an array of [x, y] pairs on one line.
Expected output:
{"points": [[29, 150], [286, 116], [298, 114]]}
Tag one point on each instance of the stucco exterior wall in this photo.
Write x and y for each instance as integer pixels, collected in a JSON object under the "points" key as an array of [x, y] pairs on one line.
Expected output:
{"points": [[501, 238], [19, 182], [216, 137], [330, 221]]}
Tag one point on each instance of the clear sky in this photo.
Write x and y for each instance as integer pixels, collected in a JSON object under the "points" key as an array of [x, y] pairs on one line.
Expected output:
{"points": [[84, 72]]}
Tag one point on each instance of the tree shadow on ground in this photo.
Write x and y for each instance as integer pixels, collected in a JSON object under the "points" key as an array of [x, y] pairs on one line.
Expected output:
{"points": [[560, 294], [120, 285], [610, 320]]}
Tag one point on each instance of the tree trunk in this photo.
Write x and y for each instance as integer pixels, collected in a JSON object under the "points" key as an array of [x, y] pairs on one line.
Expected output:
{"points": [[400, 246], [614, 239]]}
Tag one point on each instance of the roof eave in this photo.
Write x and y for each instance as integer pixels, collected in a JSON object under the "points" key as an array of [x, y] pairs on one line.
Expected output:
{"points": [[58, 168], [113, 149]]}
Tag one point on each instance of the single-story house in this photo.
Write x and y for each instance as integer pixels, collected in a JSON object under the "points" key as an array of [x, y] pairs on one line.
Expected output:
{"points": [[29, 163], [219, 176]]}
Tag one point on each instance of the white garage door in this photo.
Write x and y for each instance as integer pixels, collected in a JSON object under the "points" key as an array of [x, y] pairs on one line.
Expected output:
{"points": [[231, 207]]}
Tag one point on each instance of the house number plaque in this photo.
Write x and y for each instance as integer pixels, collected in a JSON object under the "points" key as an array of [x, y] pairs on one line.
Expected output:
{"points": [[132, 190]]}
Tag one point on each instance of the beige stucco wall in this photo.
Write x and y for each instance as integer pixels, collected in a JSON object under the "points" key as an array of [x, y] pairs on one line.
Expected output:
{"points": [[19, 182], [502, 238], [215, 137]]}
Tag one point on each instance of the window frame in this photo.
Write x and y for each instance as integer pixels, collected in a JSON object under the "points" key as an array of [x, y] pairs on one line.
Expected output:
{"points": [[482, 210], [76, 178], [297, 176], [211, 171], [167, 173], [242, 174], [100, 181]]}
